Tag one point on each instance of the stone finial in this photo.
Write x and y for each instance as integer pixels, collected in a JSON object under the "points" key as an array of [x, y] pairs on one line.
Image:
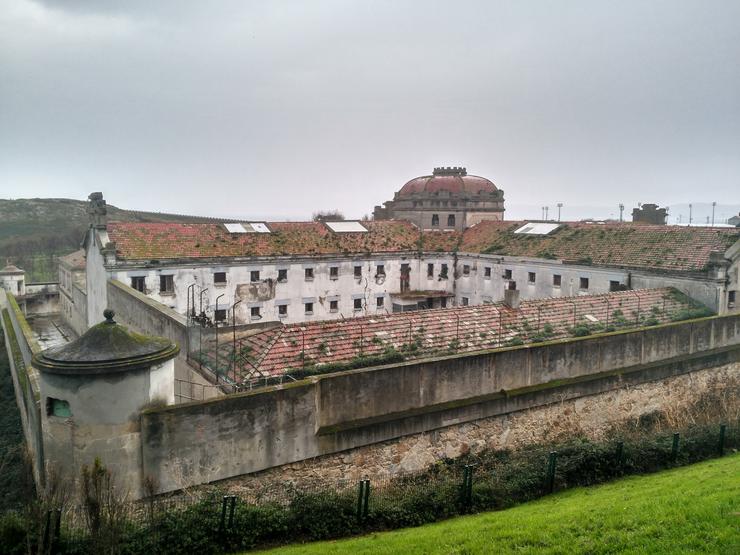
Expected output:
{"points": [[97, 210], [109, 314]]}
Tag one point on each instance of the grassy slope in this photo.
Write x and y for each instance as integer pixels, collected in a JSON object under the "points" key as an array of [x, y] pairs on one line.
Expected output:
{"points": [[691, 509], [11, 436]]}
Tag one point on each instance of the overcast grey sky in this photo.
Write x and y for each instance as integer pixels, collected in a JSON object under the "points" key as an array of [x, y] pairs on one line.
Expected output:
{"points": [[276, 109]]}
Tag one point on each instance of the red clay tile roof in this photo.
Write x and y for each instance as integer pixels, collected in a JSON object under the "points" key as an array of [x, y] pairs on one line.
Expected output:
{"points": [[146, 241], [626, 244], [449, 330], [471, 184], [618, 244]]}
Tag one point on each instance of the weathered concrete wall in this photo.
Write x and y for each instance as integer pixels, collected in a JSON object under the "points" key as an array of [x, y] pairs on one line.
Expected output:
{"points": [[202, 442], [145, 315], [590, 416], [104, 421], [708, 292]]}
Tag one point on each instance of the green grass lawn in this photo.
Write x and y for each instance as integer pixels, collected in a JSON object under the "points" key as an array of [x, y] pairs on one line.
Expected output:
{"points": [[695, 509]]}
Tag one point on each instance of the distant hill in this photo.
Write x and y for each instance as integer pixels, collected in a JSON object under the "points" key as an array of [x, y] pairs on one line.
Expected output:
{"points": [[33, 232]]}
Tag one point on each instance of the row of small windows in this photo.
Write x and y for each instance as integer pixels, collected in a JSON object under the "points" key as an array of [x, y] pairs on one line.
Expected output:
{"points": [[255, 312], [167, 284], [450, 220], [438, 203]]}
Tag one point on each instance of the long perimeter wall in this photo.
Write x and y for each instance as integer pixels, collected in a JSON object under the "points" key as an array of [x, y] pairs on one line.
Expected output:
{"points": [[201, 442]]}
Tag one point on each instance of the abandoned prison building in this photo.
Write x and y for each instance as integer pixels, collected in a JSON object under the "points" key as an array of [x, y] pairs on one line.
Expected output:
{"points": [[214, 350]]}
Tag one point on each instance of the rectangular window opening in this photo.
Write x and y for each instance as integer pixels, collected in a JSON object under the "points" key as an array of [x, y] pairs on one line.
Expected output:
{"points": [[308, 308], [557, 279], [584, 283], [380, 270], [282, 276], [254, 312], [309, 274], [334, 306], [507, 274], [466, 270], [57, 407], [334, 272], [487, 272], [282, 310], [358, 304], [430, 270], [138, 283], [166, 284], [531, 277], [219, 277], [358, 271], [254, 276], [379, 302]]}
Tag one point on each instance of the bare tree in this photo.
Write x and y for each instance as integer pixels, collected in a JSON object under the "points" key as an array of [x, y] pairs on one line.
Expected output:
{"points": [[328, 216]]}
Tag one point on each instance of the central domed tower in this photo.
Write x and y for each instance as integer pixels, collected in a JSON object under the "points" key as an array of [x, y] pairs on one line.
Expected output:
{"points": [[448, 199]]}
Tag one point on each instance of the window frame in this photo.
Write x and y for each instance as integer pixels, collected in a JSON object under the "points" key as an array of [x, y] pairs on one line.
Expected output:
{"points": [[166, 284], [217, 280]]}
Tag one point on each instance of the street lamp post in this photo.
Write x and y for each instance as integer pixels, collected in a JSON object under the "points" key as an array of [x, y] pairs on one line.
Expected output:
{"points": [[560, 205]]}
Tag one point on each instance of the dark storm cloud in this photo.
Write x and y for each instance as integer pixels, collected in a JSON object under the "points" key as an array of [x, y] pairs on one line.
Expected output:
{"points": [[282, 108]]}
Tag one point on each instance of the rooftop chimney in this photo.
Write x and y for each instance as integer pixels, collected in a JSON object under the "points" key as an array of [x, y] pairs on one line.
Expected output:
{"points": [[511, 298]]}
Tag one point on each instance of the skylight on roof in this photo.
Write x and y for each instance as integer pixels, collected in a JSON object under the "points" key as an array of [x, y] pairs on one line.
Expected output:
{"points": [[256, 227], [537, 228], [346, 227]]}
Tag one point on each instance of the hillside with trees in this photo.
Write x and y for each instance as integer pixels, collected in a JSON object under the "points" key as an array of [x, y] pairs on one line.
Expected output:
{"points": [[34, 232]]}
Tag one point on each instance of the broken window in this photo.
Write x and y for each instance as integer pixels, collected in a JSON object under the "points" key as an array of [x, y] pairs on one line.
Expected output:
{"points": [[358, 271], [308, 308], [282, 310], [254, 312], [219, 277], [334, 272], [584, 283], [358, 304], [282, 276], [451, 220], [435, 219], [443, 271], [220, 315], [254, 275], [380, 270], [379, 302], [138, 283], [556, 280], [466, 269], [334, 306], [57, 407], [309, 274], [531, 277], [487, 272], [166, 284], [430, 270]]}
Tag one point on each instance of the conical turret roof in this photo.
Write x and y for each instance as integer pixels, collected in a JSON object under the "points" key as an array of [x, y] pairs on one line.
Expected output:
{"points": [[106, 348]]}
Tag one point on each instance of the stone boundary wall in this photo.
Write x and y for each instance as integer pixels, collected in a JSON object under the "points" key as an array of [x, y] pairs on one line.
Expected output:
{"points": [[197, 443], [590, 416], [21, 345]]}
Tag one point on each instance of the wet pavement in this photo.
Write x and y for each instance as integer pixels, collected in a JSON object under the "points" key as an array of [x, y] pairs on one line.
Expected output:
{"points": [[50, 330]]}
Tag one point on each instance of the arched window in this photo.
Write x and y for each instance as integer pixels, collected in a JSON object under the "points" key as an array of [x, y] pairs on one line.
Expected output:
{"points": [[451, 220], [435, 219]]}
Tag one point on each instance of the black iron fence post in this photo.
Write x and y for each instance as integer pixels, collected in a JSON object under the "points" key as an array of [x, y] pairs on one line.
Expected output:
{"points": [[722, 430], [674, 447], [363, 499], [551, 463]]}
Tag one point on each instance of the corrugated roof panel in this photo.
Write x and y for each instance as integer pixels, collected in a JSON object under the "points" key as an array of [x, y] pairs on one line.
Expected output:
{"points": [[346, 227]]}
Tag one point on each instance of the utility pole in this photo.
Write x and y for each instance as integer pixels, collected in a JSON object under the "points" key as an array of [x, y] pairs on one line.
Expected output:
{"points": [[543, 212], [714, 204], [691, 217], [560, 205], [547, 213], [621, 211]]}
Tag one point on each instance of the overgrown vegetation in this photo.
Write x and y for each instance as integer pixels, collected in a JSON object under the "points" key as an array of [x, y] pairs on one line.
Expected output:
{"points": [[11, 437]]}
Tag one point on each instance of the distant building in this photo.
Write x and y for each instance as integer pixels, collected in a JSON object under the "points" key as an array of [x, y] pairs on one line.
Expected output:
{"points": [[735, 220], [13, 279], [650, 214], [447, 199]]}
